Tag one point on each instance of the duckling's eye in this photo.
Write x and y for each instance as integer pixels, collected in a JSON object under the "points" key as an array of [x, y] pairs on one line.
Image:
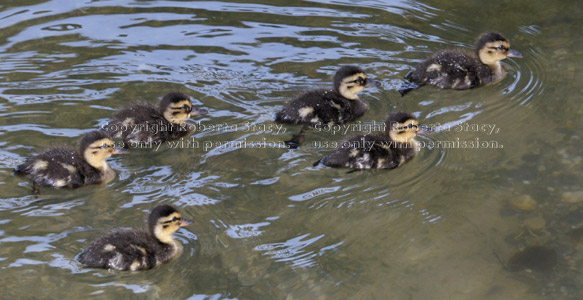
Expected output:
{"points": [[175, 219], [501, 47], [185, 106], [172, 220], [105, 146]]}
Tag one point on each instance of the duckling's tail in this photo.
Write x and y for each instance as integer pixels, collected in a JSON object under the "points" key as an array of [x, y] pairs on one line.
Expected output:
{"points": [[20, 170], [318, 162], [406, 87]]}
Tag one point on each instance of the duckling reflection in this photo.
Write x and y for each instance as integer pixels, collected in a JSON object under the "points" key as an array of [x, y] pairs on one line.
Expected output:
{"points": [[138, 249], [386, 150], [144, 124], [460, 70], [318, 108], [67, 167]]}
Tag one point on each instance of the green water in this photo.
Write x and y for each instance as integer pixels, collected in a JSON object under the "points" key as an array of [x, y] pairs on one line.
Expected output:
{"points": [[268, 225]]}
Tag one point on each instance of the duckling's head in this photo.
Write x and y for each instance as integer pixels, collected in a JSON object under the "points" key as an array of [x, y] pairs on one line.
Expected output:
{"points": [[402, 127], [176, 107], [163, 221], [96, 147], [493, 47], [351, 80]]}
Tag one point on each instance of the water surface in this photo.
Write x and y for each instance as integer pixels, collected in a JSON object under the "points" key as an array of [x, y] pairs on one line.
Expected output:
{"points": [[268, 225]]}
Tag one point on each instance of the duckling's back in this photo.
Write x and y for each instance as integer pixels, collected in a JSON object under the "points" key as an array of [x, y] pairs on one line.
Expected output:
{"points": [[59, 167], [321, 107], [370, 151], [126, 250], [124, 121], [143, 123], [452, 69]]}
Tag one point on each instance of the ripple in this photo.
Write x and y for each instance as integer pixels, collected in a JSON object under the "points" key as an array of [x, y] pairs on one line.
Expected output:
{"points": [[25, 261], [67, 132], [161, 181], [268, 181], [9, 160], [51, 210], [293, 251], [39, 243], [530, 79], [135, 288], [9, 204], [245, 230], [315, 193], [62, 27]]}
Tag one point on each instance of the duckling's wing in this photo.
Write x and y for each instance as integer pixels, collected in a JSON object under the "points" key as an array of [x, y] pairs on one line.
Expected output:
{"points": [[121, 250], [138, 251], [368, 151], [453, 69], [56, 167], [134, 118], [298, 110], [316, 107], [148, 135], [376, 152]]}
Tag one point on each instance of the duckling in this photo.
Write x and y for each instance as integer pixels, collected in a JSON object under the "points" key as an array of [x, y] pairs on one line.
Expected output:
{"points": [[318, 108], [66, 167], [460, 70], [386, 150], [138, 249], [144, 124]]}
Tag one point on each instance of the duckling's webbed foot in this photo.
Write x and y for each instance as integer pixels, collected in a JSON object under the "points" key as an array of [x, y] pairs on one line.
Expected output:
{"points": [[35, 189], [297, 139], [126, 145], [393, 165]]}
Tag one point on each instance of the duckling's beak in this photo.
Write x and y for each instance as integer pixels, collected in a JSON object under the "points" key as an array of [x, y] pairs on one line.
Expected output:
{"points": [[514, 53], [372, 83], [120, 150], [185, 222], [198, 111], [424, 129]]}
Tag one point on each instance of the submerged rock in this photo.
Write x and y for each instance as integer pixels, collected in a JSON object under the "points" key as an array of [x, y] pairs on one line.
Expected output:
{"points": [[536, 223], [576, 236], [524, 202], [572, 197], [535, 258]]}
